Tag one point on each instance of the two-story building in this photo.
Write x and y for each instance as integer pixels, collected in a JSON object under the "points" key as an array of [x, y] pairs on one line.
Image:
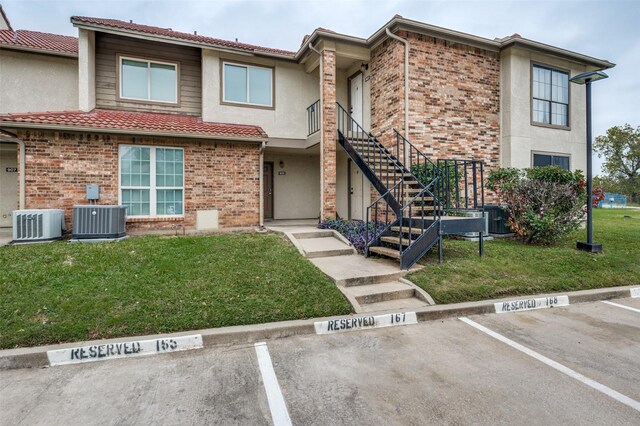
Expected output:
{"points": [[196, 132]]}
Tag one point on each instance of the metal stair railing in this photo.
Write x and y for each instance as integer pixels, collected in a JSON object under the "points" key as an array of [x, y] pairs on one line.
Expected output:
{"points": [[370, 156], [377, 223]]}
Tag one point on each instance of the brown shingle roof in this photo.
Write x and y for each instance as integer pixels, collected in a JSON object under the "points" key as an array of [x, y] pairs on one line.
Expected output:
{"points": [[167, 32], [40, 41], [137, 122]]}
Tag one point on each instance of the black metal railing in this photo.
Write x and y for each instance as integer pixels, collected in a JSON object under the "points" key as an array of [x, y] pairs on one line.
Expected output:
{"points": [[313, 117], [462, 186], [380, 216], [376, 162]]}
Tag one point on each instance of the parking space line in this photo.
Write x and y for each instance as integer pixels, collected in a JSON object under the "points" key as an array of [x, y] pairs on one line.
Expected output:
{"points": [[621, 306], [557, 366], [279, 412]]}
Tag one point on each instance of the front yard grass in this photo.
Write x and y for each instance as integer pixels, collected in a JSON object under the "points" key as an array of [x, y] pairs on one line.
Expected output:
{"points": [[510, 268], [62, 292]]}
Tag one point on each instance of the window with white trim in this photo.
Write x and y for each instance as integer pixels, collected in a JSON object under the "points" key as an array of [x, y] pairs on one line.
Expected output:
{"points": [[152, 180], [550, 96], [541, 160], [144, 80], [247, 84]]}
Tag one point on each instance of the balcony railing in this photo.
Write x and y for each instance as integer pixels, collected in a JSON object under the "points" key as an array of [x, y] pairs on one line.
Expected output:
{"points": [[313, 117]]}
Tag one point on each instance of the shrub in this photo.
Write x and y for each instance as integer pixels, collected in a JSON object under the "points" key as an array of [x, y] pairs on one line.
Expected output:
{"points": [[544, 202], [353, 230]]}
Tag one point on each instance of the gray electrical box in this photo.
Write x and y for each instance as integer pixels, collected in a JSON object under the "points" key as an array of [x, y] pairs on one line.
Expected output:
{"points": [[93, 192]]}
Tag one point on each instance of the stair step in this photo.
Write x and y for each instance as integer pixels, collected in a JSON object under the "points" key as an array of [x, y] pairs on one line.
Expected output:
{"points": [[385, 251], [383, 292], [395, 240], [405, 230]]}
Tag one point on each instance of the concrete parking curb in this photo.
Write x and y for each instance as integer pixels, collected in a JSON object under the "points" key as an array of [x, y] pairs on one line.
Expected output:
{"points": [[36, 357]]}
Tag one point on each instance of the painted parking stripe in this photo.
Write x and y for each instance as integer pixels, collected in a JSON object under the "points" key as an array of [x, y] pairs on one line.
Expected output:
{"points": [[621, 306], [557, 366], [107, 351], [531, 304], [635, 292], [279, 412]]}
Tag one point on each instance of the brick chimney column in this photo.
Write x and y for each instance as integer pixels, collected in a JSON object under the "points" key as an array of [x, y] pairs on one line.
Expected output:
{"points": [[329, 135]]}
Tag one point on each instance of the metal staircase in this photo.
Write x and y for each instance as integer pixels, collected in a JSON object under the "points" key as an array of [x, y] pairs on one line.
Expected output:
{"points": [[412, 212]]}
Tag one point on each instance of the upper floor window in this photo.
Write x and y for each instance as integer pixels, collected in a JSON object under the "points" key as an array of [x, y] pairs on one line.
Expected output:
{"points": [[247, 84], [550, 93], [144, 80]]}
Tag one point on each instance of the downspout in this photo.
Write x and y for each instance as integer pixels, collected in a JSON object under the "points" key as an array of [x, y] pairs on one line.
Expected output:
{"points": [[320, 72], [406, 86], [261, 180], [22, 185]]}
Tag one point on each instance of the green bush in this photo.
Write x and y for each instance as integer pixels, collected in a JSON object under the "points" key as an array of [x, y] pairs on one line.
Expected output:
{"points": [[544, 203]]}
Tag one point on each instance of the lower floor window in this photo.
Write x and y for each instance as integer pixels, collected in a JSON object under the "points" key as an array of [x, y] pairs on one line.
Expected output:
{"points": [[540, 160], [152, 180]]}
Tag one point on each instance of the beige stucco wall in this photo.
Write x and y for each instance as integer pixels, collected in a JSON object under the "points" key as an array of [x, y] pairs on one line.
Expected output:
{"points": [[520, 138], [8, 182], [295, 90], [35, 82], [296, 194]]}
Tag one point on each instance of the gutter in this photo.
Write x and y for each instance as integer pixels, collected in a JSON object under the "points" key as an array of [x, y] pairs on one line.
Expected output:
{"points": [[406, 86], [20, 48], [22, 125]]}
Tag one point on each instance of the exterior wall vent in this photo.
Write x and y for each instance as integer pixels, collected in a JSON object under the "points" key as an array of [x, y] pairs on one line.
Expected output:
{"points": [[92, 221], [37, 225]]}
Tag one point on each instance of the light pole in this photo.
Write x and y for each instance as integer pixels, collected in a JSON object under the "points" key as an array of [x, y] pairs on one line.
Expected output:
{"points": [[587, 78]]}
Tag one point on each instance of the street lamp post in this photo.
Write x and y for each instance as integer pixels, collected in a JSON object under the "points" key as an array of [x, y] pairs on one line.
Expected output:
{"points": [[587, 78]]}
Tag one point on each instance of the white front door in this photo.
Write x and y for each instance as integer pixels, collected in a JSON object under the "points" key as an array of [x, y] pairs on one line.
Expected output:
{"points": [[8, 182], [355, 85], [356, 203]]}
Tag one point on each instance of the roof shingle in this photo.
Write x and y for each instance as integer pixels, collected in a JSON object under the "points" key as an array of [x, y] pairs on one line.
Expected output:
{"points": [[137, 122], [167, 32], [41, 41]]}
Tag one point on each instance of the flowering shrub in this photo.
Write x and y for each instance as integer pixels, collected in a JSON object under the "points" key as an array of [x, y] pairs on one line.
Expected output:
{"points": [[353, 230], [544, 202]]}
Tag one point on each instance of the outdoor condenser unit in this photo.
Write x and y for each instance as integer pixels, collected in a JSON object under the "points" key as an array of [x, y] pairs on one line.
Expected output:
{"points": [[95, 221], [37, 225]]}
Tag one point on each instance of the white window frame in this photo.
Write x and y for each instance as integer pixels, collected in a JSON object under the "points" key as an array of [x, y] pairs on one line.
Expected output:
{"points": [[247, 66], [148, 62], [153, 198]]}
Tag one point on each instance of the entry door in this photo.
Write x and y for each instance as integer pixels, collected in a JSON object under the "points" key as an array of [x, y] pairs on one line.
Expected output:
{"points": [[267, 180], [8, 182], [356, 208], [355, 87]]}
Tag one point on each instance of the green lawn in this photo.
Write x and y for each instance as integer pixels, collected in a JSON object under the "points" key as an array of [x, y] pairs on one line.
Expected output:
{"points": [[510, 268], [63, 292]]}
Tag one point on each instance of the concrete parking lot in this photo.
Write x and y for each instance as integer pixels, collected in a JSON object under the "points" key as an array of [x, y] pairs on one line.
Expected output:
{"points": [[581, 364]]}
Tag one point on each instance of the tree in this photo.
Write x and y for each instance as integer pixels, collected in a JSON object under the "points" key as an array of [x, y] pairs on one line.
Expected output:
{"points": [[620, 148]]}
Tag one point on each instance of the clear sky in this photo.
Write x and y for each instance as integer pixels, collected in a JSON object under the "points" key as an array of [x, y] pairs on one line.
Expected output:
{"points": [[603, 29]]}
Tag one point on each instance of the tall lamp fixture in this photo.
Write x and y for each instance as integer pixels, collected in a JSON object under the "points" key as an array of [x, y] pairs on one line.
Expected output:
{"points": [[587, 78]]}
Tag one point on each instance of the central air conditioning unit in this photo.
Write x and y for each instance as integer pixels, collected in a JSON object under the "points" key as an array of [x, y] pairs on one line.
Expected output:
{"points": [[37, 225], [93, 221]]}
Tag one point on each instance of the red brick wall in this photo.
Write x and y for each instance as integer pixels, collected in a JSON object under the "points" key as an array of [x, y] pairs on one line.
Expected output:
{"points": [[218, 175], [454, 98], [329, 134]]}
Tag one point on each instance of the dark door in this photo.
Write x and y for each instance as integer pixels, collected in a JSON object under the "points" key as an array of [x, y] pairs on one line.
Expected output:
{"points": [[267, 179]]}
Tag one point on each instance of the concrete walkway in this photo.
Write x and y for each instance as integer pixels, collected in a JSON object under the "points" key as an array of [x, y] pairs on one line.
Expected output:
{"points": [[370, 285]]}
